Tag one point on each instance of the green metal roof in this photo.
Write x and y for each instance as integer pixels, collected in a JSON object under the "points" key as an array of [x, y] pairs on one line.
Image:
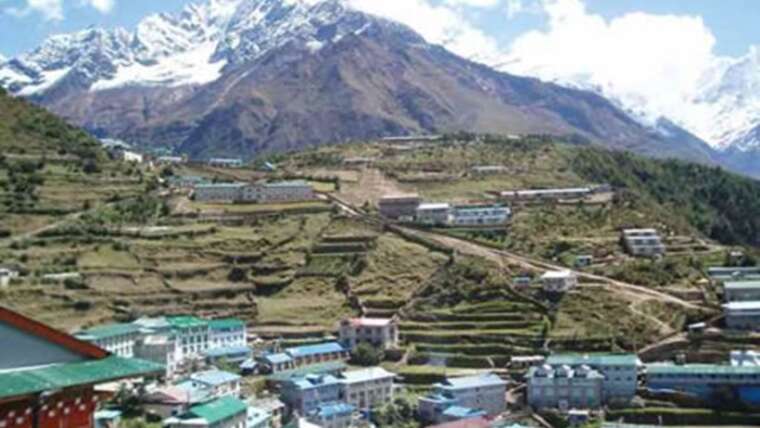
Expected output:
{"points": [[219, 410], [703, 369], [24, 382], [226, 323], [593, 359], [186, 321], [106, 331]]}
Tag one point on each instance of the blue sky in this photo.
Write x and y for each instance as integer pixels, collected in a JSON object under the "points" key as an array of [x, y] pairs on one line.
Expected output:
{"points": [[25, 23]]}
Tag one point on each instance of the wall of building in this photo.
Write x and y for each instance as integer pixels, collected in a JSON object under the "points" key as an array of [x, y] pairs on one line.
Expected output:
{"points": [[24, 350]]}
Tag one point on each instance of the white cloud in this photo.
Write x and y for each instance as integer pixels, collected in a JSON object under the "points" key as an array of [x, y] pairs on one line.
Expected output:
{"points": [[52, 10], [441, 24], [652, 61], [102, 6], [474, 3]]}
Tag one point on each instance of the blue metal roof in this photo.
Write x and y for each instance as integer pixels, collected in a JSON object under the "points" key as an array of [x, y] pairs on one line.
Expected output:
{"points": [[277, 358], [334, 409], [314, 381], [214, 377], [322, 348], [460, 412], [471, 382], [224, 352]]}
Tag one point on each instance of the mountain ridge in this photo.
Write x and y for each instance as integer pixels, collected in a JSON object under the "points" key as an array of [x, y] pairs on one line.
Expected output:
{"points": [[250, 60]]}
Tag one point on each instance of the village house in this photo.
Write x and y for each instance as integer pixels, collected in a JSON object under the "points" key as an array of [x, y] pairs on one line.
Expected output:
{"points": [[273, 406], [305, 394], [742, 315], [219, 383], [227, 333], [275, 362], [564, 387], [546, 194], [192, 335], [218, 192], [48, 378], [332, 415], [130, 156], [232, 354], [559, 281], [433, 214], [319, 353], [620, 372], [118, 339], [723, 274], [173, 400], [286, 191], [479, 215], [399, 206], [741, 291], [159, 348], [380, 333], [226, 162], [225, 412], [643, 242], [7, 274], [475, 394], [367, 388], [704, 381]]}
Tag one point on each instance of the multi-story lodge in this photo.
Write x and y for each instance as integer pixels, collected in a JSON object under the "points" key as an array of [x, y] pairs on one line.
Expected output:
{"points": [[643, 242], [159, 348], [226, 162], [723, 274], [227, 333], [192, 334], [547, 194], [300, 356], [367, 388], [433, 214], [559, 281], [263, 193], [741, 291], [479, 215], [217, 382], [380, 333], [742, 315], [48, 378], [305, 394], [564, 387], [225, 412], [480, 393], [620, 372], [118, 339], [704, 381], [399, 206]]}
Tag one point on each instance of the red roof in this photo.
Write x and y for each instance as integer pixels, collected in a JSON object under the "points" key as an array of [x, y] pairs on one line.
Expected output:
{"points": [[50, 334], [479, 422]]}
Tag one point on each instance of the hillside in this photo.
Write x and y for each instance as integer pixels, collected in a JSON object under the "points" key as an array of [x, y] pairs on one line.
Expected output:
{"points": [[49, 169], [300, 74]]}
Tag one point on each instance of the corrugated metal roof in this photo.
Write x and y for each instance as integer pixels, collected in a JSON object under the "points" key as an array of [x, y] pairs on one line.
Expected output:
{"points": [[471, 381], [186, 321], [742, 285], [277, 358], [322, 368], [219, 410], [233, 350], [107, 331], [314, 381], [334, 409], [463, 412], [74, 374], [214, 377], [322, 348], [592, 359], [701, 369], [225, 323]]}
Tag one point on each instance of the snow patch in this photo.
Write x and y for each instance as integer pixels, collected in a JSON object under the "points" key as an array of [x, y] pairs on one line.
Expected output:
{"points": [[193, 67], [46, 81]]}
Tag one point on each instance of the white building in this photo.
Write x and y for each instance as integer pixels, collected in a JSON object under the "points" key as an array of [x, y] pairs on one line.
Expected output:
{"points": [[226, 162], [218, 192], [219, 383], [380, 333], [226, 412], [227, 333], [367, 388], [479, 215], [742, 315], [286, 191], [192, 335], [643, 242], [433, 214], [7, 274], [467, 395], [741, 291], [547, 194], [162, 349], [130, 156], [559, 281], [564, 387], [119, 339]]}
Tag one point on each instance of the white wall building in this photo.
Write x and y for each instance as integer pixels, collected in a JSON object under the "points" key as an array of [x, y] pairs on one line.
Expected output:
{"points": [[6, 275], [479, 215], [192, 335], [162, 349], [643, 242], [218, 192], [227, 333], [436, 214], [559, 281], [118, 339], [367, 388], [379, 332], [485, 393]]}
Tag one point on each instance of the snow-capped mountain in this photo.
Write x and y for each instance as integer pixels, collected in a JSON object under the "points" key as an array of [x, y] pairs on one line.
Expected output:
{"points": [[242, 77], [723, 109]]}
